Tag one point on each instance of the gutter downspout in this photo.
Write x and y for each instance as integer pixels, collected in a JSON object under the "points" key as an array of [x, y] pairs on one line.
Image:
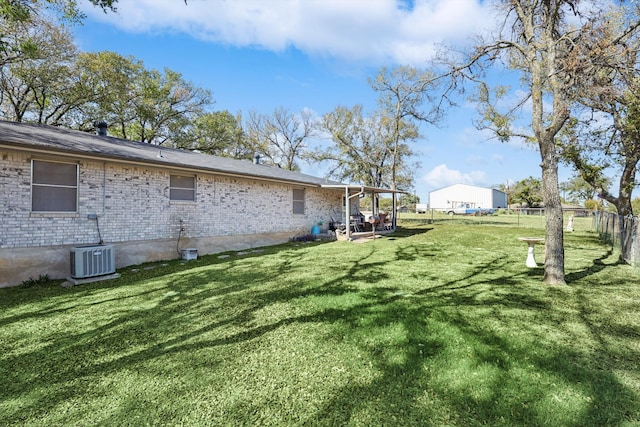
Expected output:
{"points": [[104, 188]]}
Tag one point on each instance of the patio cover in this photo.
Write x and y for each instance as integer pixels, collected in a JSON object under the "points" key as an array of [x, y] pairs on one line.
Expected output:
{"points": [[351, 191]]}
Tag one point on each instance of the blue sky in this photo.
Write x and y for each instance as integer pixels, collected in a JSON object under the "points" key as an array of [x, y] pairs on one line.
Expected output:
{"points": [[258, 55]]}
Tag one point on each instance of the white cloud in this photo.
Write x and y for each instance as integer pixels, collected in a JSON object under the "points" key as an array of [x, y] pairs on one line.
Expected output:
{"points": [[442, 176], [486, 159], [470, 136], [498, 159], [477, 160], [376, 32]]}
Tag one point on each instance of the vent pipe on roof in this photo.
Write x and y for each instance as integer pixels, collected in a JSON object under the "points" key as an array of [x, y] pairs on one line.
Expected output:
{"points": [[256, 159], [101, 127]]}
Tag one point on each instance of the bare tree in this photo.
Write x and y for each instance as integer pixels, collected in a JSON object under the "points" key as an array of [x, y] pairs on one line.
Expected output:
{"points": [[281, 138], [403, 91], [538, 40], [362, 148], [605, 133]]}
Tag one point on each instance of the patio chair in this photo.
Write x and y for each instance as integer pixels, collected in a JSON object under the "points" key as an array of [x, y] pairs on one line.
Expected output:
{"points": [[382, 217], [357, 222], [336, 225], [388, 224], [384, 223]]}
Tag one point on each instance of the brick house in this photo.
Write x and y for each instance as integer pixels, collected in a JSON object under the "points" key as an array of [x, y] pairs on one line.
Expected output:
{"points": [[61, 188]]}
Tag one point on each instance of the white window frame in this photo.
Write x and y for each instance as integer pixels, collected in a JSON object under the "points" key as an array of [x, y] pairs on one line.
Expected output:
{"points": [[181, 189], [52, 187], [298, 203]]}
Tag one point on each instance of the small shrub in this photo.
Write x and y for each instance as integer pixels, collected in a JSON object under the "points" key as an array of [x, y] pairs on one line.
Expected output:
{"points": [[43, 279], [304, 238]]}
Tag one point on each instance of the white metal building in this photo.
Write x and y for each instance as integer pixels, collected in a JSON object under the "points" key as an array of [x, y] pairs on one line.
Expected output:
{"points": [[476, 197]]}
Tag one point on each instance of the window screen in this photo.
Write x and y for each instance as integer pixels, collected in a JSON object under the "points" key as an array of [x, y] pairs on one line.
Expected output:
{"points": [[298, 201], [182, 188], [54, 187]]}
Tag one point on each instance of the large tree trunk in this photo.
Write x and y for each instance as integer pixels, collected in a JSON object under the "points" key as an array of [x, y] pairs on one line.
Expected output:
{"points": [[622, 201], [541, 52], [545, 135], [627, 183], [554, 237]]}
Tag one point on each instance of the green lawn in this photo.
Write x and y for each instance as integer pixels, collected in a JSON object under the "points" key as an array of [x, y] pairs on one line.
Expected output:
{"points": [[439, 324], [535, 220]]}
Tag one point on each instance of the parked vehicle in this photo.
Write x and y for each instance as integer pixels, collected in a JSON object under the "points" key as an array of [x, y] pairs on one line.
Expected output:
{"points": [[468, 209]]}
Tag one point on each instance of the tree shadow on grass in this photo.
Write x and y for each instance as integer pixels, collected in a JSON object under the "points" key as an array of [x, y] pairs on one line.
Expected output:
{"points": [[453, 361], [502, 398], [408, 231], [598, 265]]}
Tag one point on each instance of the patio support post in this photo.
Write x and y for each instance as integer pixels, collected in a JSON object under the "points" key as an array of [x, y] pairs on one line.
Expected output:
{"points": [[348, 207], [373, 205], [394, 207], [347, 212]]}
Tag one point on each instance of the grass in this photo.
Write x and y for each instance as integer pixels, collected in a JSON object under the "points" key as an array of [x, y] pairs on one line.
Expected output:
{"points": [[439, 324], [534, 220]]}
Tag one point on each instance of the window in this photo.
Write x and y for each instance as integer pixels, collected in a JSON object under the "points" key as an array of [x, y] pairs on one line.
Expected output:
{"points": [[298, 201], [182, 188], [54, 187]]}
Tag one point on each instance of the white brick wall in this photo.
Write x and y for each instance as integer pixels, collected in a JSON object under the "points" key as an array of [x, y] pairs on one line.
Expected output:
{"points": [[132, 204]]}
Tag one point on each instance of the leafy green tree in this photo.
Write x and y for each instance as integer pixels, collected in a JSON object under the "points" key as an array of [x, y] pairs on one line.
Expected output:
{"points": [[164, 105], [16, 16], [528, 192], [409, 199], [38, 88], [358, 153], [593, 204], [385, 204], [219, 133], [16, 13], [110, 83], [15, 45], [23, 10], [593, 148], [138, 104], [636, 204], [578, 190]]}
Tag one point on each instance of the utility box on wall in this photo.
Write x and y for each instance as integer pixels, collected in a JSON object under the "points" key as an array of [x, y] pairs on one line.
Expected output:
{"points": [[92, 261], [189, 254]]}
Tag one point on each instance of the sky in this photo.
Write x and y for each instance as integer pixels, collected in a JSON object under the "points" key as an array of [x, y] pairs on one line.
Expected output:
{"points": [[259, 55]]}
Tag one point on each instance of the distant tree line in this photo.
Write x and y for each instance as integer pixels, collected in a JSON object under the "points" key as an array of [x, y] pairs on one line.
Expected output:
{"points": [[576, 191]]}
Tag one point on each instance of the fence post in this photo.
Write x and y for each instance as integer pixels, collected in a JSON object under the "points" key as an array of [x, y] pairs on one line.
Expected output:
{"points": [[620, 232]]}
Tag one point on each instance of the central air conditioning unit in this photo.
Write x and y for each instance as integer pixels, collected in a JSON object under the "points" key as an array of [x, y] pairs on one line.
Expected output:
{"points": [[91, 261]]}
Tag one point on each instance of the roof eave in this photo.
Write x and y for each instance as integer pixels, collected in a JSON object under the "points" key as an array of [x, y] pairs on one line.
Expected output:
{"points": [[145, 162], [364, 188]]}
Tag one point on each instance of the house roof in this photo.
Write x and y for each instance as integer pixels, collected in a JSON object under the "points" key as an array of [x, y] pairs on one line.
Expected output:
{"points": [[54, 140]]}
